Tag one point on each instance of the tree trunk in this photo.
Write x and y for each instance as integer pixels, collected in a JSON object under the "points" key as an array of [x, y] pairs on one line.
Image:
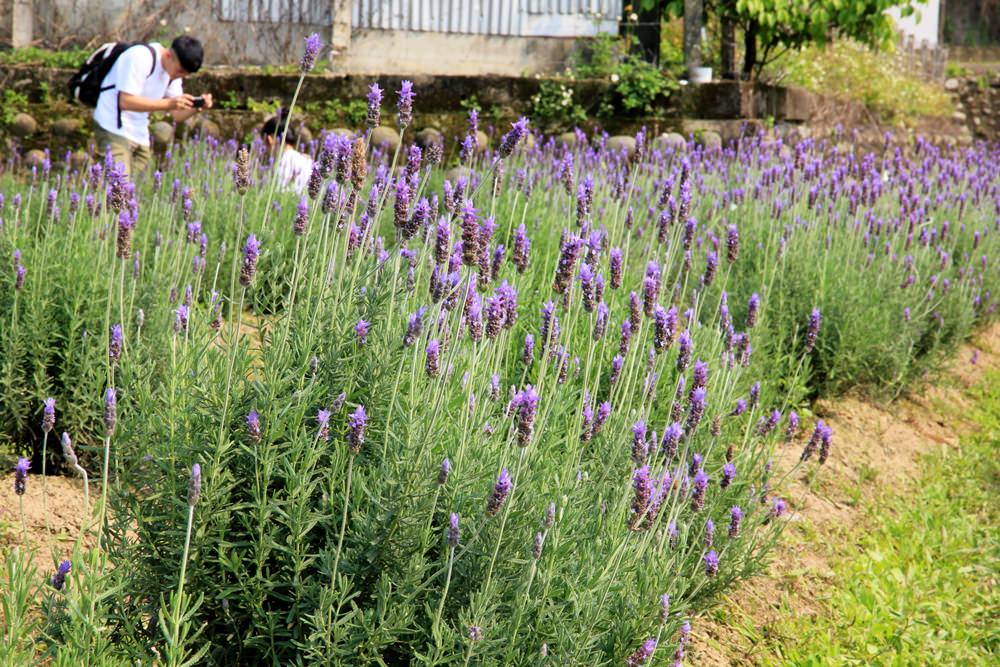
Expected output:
{"points": [[750, 50], [693, 16], [648, 33], [728, 50]]}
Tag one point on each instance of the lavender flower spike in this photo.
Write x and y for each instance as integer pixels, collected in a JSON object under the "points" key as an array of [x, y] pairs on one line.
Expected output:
{"points": [[374, 105], [405, 103], [510, 140], [711, 560], [309, 54], [253, 425], [500, 492], [813, 331], [642, 654], [49, 415], [444, 472], [194, 488], [59, 578], [251, 251], [361, 330], [115, 344], [110, 411], [356, 433], [21, 475], [453, 532], [323, 419], [527, 404]]}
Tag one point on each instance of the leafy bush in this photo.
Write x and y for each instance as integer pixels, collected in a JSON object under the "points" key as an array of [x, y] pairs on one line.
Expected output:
{"points": [[849, 70]]}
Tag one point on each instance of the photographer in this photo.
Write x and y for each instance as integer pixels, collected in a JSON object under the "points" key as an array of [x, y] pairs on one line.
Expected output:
{"points": [[146, 77]]}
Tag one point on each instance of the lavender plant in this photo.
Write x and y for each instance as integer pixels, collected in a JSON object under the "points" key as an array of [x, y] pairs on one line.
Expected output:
{"points": [[528, 412]]}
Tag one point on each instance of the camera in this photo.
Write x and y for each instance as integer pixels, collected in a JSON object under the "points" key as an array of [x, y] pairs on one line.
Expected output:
{"points": [[198, 102]]}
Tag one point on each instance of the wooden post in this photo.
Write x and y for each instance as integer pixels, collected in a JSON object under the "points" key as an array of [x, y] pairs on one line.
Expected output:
{"points": [[22, 24], [693, 14]]}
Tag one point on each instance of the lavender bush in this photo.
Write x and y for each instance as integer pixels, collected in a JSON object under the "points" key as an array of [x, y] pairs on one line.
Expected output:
{"points": [[603, 349]]}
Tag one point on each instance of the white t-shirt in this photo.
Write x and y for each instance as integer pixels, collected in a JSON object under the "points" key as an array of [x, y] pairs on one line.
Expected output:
{"points": [[130, 74], [294, 170]]}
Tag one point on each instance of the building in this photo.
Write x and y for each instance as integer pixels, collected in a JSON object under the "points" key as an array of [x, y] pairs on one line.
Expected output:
{"points": [[411, 37]]}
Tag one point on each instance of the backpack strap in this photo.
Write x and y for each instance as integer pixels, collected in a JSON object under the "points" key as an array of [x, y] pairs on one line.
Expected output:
{"points": [[152, 52]]}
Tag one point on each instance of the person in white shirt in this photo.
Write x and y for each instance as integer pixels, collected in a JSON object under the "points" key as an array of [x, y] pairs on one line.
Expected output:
{"points": [[145, 78], [294, 168]]}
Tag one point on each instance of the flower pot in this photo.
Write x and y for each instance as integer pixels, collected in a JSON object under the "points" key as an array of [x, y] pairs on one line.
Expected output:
{"points": [[701, 75]]}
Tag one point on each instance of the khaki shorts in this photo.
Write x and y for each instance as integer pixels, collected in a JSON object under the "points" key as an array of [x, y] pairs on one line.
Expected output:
{"points": [[134, 156]]}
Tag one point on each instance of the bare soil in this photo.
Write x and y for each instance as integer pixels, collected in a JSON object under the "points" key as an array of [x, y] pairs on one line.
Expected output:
{"points": [[876, 450]]}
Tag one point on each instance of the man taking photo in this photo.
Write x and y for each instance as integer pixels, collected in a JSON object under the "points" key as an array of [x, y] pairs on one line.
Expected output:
{"points": [[146, 77]]}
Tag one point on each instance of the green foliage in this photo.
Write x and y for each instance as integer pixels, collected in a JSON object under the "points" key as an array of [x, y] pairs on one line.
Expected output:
{"points": [[848, 70], [335, 111], [231, 101], [13, 103], [553, 107], [920, 586], [640, 85], [70, 58]]}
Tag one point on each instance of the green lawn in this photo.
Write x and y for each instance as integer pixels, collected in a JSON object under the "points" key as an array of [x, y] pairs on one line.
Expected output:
{"points": [[921, 587]]}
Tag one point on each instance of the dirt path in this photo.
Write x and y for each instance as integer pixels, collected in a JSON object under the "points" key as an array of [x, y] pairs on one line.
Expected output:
{"points": [[877, 449]]}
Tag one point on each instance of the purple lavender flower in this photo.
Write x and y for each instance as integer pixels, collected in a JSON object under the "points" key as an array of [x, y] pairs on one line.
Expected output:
{"points": [[671, 437], [536, 548], [664, 608], [361, 331], [251, 251], [752, 308], [181, 319], [814, 441], [356, 424], [253, 425], [793, 426], [568, 256], [522, 248], [732, 243], [475, 633], [696, 409], [616, 368], [684, 350], [323, 419], [194, 486], [374, 106], [616, 267], [754, 394], [709, 533], [639, 446], [642, 654], [778, 508], [813, 330], [431, 364], [824, 444], [115, 344], [49, 415], [643, 492], [110, 411], [19, 273], [509, 141], [528, 351], [453, 532], [414, 326], [711, 560], [500, 492], [59, 578], [405, 103], [736, 517], [603, 412], [587, 287], [698, 494], [664, 326], [526, 402], [728, 475], [21, 475], [309, 54], [444, 471]]}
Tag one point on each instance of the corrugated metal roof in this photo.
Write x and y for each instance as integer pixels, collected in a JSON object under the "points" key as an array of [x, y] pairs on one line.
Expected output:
{"points": [[523, 18]]}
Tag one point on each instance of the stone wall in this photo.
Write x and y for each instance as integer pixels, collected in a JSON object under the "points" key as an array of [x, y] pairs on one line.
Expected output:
{"points": [[978, 102]]}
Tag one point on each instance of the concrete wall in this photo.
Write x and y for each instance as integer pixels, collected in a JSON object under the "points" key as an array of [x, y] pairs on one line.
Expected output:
{"points": [[393, 52]]}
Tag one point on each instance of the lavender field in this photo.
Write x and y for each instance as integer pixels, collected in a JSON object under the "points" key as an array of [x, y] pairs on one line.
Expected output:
{"points": [[522, 416]]}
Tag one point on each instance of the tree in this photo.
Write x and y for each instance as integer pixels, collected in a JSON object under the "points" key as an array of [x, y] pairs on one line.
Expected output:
{"points": [[771, 27]]}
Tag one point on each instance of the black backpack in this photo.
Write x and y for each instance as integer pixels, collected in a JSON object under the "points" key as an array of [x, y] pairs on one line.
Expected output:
{"points": [[85, 85]]}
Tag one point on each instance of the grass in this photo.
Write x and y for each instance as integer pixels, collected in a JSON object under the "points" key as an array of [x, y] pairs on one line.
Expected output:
{"points": [[920, 586]]}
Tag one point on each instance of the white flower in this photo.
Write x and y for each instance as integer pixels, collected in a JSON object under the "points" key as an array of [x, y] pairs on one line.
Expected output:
{"points": [[614, 78], [683, 82], [633, 17]]}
